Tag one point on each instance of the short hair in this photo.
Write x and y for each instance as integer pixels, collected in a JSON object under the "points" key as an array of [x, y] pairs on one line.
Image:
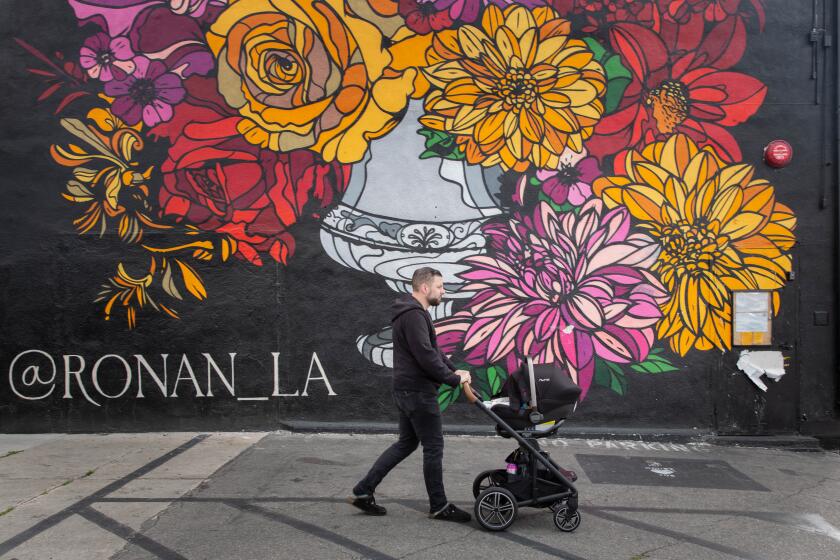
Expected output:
{"points": [[423, 275]]}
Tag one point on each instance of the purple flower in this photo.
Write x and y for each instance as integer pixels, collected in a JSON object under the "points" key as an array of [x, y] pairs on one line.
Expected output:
{"points": [[105, 58], [168, 30], [460, 10], [146, 95], [118, 15], [570, 183]]}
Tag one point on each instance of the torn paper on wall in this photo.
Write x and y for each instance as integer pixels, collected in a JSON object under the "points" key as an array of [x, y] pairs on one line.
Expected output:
{"points": [[765, 362]]}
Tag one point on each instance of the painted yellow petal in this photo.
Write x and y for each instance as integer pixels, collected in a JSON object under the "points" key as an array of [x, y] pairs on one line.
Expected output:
{"points": [[492, 19], [643, 202], [651, 174], [472, 41], [560, 119], [743, 225], [580, 93], [759, 197], [684, 341], [507, 43], [490, 129], [463, 92], [735, 175], [466, 118], [528, 47], [531, 126], [700, 169], [519, 19], [692, 309], [726, 204], [410, 52], [551, 48], [543, 14], [677, 153], [441, 74], [369, 40]]}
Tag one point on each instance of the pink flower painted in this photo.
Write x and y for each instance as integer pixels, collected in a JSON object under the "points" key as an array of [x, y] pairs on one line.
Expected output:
{"points": [[563, 288], [105, 58], [570, 183], [147, 95], [119, 15]]}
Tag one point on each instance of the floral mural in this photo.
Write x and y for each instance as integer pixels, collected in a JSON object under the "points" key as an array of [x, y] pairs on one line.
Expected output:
{"points": [[625, 216]]}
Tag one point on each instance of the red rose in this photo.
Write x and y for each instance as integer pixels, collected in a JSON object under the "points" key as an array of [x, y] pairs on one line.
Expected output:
{"points": [[213, 178]]}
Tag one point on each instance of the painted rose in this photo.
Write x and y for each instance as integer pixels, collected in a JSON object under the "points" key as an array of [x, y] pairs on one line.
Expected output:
{"points": [[563, 288], [308, 74], [216, 180]]}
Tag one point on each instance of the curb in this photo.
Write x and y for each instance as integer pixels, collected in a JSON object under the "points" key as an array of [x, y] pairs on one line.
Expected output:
{"points": [[789, 442]]}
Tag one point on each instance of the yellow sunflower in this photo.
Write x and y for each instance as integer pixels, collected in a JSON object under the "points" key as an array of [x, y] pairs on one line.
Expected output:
{"points": [[719, 228], [516, 89]]}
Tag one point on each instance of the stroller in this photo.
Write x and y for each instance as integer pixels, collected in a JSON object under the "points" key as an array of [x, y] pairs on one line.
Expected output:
{"points": [[540, 398]]}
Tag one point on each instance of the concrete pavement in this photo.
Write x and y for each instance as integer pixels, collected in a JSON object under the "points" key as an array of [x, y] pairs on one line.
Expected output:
{"points": [[281, 495]]}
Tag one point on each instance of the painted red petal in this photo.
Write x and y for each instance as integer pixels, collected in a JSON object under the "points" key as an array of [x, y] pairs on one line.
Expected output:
{"points": [[724, 46], [642, 50]]}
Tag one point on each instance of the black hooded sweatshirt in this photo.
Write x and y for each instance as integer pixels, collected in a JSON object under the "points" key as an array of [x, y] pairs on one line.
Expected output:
{"points": [[419, 365]]}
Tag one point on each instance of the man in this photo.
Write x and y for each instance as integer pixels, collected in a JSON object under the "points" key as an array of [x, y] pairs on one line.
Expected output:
{"points": [[419, 369]]}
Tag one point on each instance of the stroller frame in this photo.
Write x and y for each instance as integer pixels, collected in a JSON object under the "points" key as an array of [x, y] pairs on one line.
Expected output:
{"points": [[564, 502]]}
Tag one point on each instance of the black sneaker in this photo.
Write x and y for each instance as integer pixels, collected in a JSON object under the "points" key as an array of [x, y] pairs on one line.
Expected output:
{"points": [[367, 504], [451, 513]]}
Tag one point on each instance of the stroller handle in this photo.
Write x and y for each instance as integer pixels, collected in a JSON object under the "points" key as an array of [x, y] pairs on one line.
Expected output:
{"points": [[468, 392]]}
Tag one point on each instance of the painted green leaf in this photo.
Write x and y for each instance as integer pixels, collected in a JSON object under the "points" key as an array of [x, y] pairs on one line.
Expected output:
{"points": [[440, 144], [447, 395], [611, 376], [495, 378], [565, 207], [618, 76], [654, 364]]}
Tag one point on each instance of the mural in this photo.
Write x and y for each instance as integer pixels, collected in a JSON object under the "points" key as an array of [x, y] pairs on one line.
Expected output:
{"points": [[570, 165]]}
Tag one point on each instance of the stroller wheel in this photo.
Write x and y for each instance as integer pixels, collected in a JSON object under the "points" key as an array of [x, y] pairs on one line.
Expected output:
{"points": [[495, 508], [488, 479], [565, 522]]}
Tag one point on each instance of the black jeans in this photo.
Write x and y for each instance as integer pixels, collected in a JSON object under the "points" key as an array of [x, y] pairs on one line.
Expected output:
{"points": [[419, 423]]}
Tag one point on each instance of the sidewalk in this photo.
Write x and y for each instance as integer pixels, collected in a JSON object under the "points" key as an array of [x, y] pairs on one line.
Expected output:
{"points": [[281, 495]]}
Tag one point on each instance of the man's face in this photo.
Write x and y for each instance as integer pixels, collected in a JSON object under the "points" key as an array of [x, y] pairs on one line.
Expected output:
{"points": [[436, 290]]}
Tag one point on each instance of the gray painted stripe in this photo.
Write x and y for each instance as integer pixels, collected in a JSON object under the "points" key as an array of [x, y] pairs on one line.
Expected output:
{"points": [[682, 537], [313, 530], [60, 516], [127, 533]]}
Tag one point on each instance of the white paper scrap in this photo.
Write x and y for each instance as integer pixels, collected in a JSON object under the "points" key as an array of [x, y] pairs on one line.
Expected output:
{"points": [[764, 362]]}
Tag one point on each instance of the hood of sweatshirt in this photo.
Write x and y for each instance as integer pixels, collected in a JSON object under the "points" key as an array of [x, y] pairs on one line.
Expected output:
{"points": [[403, 305]]}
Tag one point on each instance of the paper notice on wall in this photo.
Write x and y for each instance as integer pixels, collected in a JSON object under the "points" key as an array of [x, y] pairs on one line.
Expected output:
{"points": [[757, 364], [751, 322], [752, 302]]}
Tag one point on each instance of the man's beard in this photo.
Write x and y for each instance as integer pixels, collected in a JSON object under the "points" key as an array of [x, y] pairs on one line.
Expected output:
{"points": [[434, 302]]}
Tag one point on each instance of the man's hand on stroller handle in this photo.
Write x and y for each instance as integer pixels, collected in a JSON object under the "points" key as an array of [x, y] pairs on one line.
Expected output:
{"points": [[464, 375], [468, 392]]}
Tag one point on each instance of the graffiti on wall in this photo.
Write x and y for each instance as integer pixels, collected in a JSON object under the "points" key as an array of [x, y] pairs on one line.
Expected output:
{"points": [[571, 165]]}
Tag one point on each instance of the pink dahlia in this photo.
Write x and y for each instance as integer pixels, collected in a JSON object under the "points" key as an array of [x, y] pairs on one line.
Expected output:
{"points": [[563, 288]]}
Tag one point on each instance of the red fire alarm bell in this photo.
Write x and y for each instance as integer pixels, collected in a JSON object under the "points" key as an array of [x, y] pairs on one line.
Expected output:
{"points": [[778, 153]]}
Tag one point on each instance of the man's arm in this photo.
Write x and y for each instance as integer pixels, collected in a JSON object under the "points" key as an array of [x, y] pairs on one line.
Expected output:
{"points": [[428, 356], [446, 360]]}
